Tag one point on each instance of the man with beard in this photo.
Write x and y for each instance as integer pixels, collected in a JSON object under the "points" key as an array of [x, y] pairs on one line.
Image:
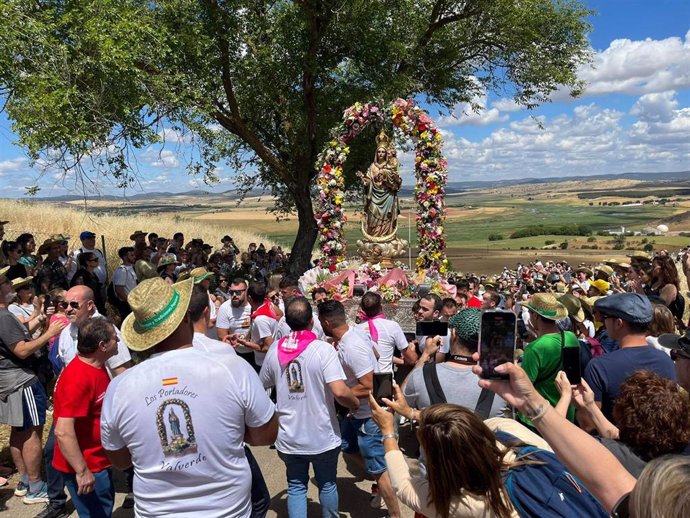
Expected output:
{"points": [[234, 315]]}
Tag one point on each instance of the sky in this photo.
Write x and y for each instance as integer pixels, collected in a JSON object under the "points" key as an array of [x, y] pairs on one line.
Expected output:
{"points": [[634, 116]]}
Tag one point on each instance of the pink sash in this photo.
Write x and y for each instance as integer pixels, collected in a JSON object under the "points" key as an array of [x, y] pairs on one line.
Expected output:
{"points": [[372, 328], [292, 345]]}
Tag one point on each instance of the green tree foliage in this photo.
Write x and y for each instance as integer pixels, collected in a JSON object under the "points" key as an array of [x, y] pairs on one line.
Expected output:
{"points": [[258, 84], [546, 230]]}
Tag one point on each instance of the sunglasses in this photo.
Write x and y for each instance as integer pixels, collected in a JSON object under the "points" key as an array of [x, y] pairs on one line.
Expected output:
{"points": [[236, 292], [74, 304]]}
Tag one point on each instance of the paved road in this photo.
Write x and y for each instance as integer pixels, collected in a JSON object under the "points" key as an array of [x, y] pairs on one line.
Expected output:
{"points": [[353, 491]]}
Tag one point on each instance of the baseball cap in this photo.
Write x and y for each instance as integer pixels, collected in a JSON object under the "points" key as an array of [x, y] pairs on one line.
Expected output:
{"points": [[86, 235]]}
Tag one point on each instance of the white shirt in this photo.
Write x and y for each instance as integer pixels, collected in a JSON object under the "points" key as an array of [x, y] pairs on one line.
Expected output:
{"points": [[283, 329], [356, 354], [100, 270], [182, 415], [212, 331], [306, 414], [209, 345], [262, 327], [391, 336], [443, 348], [233, 319], [67, 347], [125, 276]]}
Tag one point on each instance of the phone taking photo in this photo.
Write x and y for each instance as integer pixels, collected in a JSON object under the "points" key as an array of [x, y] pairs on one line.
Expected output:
{"points": [[571, 364], [432, 328], [497, 338], [383, 387]]}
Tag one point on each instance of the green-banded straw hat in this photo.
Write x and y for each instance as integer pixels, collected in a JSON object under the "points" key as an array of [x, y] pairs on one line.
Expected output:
{"points": [[546, 305], [157, 310]]}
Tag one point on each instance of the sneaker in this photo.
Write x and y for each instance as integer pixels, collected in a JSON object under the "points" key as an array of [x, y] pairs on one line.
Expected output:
{"points": [[375, 497], [22, 489], [52, 512], [128, 502], [37, 497]]}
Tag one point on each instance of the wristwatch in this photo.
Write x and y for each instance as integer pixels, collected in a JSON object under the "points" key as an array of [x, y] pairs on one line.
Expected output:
{"points": [[389, 436]]}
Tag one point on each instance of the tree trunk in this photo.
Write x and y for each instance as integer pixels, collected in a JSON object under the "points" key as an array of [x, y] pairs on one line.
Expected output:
{"points": [[306, 232]]}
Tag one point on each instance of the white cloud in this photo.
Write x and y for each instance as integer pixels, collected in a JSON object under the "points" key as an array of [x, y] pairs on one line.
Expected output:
{"points": [[591, 140], [656, 107], [13, 165], [164, 158], [173, 136], [506, 105], [636, 68]]}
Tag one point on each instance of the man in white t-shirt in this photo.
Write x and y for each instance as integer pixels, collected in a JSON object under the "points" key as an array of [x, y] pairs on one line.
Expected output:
{"points": [[386, 334], [88, 244], [124, 279], [182, 416], [430, 307], [361, 438], [200, 315], [234, 316], [289, 289], [307, 375], [264, 323], [81, 307]]}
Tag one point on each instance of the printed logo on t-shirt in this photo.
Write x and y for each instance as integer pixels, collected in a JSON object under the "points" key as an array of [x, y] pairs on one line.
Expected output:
{"points": [[294, 379], [177, 436]]}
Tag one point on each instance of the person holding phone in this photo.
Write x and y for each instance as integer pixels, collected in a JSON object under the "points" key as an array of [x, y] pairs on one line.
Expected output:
{"points": [[361, 437], [543, 357], [430, 307]]}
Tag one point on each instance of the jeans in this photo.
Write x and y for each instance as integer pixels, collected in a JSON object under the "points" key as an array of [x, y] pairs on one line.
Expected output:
{"points": [[325, 471], [56, 479], [99, 502], [261, 498]]}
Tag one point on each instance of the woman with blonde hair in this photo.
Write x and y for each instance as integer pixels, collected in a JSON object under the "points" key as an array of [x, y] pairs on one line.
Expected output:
{"points": [[662, 489], [662, 323]]}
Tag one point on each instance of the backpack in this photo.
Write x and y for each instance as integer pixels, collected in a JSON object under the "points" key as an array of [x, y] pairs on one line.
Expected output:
{"points": [[546, 488], [436, 394]]}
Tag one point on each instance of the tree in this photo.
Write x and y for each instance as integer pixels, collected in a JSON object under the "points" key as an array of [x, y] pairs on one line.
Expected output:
{"points": [[258, 84]]}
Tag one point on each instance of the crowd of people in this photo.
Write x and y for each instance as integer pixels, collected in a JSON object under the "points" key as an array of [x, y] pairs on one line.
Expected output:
{"points": [[174, 366]]}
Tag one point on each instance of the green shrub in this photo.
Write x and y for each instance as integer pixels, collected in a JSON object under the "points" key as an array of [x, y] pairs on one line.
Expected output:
{"points": [[549, 242], [591, 239], [495, 237]]}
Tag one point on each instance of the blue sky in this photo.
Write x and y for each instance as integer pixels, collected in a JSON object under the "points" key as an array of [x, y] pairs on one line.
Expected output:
{"points": [[634, 116]]}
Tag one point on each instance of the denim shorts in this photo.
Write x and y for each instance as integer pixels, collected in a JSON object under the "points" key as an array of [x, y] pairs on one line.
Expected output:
{"points": [[364, 437]]}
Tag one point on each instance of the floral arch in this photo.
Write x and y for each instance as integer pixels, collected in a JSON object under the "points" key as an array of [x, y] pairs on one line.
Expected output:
{"points": [[430, 173]]}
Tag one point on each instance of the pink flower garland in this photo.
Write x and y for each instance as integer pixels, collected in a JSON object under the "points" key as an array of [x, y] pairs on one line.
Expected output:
{"points": [[430, 169]]}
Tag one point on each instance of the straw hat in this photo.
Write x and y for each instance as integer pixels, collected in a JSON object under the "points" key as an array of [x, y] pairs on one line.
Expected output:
{"points": [[136, 234], [47, 245], [573, 305], [20, 282], [166, 260], [640, 256], [60, 237], [588, 303], [157, 310], [584, 269], [605, 268], [546, 305], [199, 274]]}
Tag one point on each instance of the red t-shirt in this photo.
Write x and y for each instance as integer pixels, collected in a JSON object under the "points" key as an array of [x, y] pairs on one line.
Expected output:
{"points": [[79, 394], [474, 302]]}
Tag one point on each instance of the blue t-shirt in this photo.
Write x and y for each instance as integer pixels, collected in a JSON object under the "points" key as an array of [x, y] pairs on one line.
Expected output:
{"points": [[605, 374]]}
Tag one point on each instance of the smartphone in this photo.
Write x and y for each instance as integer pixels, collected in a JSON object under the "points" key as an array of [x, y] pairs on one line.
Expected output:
{"points": [[571, 364], [497, 336], [383, 386], [46, 303], [432, 328]]}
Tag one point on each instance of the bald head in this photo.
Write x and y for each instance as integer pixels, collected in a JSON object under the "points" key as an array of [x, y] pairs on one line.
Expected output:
{"points": [[81, 306]]}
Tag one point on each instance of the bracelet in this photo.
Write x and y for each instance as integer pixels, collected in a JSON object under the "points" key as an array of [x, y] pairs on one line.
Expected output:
{"points": [[389, 436], [540, 413]]}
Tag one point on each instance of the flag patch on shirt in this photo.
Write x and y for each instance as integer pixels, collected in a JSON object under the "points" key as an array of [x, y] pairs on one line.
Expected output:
{"points": [[169, 381]]}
